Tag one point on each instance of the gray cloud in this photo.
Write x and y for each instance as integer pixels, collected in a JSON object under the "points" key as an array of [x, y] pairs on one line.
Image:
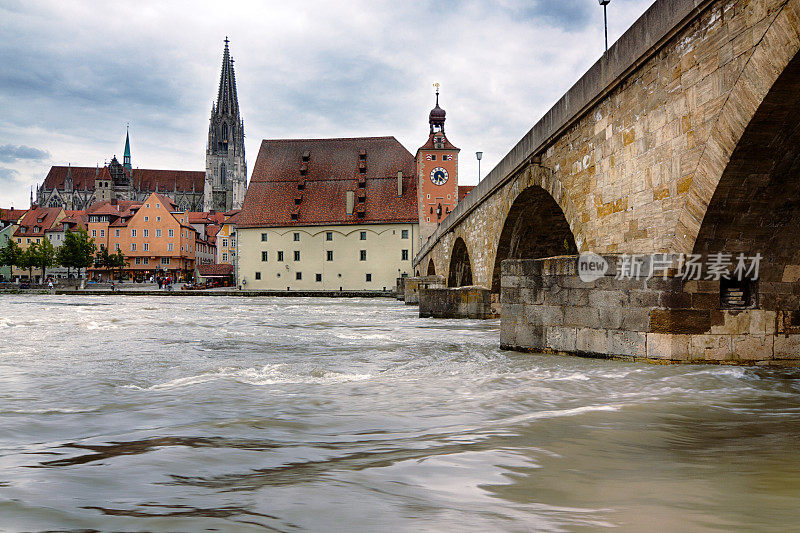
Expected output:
{"points": [[11, 152], [7, 175]]}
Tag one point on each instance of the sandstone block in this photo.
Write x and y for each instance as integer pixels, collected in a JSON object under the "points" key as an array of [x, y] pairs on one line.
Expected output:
{"points": [[684, 321]]}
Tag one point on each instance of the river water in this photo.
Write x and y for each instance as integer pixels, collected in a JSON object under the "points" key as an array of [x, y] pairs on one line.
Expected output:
{"points": [[126, 413]]}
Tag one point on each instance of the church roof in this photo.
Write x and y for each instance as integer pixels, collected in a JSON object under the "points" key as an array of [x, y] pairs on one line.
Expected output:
{"points": [[298, 182], [143, 179]]}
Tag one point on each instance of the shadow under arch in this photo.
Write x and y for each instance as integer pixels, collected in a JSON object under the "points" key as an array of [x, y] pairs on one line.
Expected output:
{"points": [[535, 227], [431, 268], [460, 273], [755, 207]]}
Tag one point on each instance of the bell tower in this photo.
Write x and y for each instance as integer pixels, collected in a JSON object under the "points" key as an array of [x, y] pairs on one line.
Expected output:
{"points": [[437, 174], [226, 168]]}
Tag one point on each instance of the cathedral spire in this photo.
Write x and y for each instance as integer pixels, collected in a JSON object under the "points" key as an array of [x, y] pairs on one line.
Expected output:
{"points": [[126, 157], [227, 100]]}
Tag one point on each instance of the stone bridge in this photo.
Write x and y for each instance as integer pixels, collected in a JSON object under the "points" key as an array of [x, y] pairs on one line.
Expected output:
{"points": [[684, 138]]}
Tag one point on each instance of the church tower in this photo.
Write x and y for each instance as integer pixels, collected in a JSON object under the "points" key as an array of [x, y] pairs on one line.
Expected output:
{"points": [[226, 168], [437, 174]]}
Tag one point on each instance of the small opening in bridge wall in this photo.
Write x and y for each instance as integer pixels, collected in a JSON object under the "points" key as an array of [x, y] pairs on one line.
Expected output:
{"points": [[738, 294]]}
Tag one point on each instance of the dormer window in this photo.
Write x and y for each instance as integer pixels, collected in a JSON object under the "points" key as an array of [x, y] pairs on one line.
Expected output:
{"points": [[306, 156], [36, 229]]}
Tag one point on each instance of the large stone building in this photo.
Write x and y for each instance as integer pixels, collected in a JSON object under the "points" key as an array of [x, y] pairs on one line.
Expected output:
{"points": [[221, 186], [342, 214]]}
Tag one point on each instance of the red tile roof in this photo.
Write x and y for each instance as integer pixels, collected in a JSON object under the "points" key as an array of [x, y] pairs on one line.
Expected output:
{"points": [[142, 179], [42, 218], [309, 178], [11, 216], [206, 271]]}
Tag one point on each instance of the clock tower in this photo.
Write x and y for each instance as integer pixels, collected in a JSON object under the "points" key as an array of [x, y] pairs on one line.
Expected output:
{"points": [[437, 174]]}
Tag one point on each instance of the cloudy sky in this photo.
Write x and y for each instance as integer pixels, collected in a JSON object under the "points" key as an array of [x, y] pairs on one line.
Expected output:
{"points": [[74, 73]]}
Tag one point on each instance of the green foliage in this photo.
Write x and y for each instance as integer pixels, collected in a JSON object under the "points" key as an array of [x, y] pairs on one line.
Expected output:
{"points": [[10, 254], [27, 259], [77, 251], [45, 256]]}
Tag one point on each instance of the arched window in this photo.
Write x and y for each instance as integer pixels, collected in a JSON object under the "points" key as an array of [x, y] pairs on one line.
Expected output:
{"points": [[222, 173], [224, 132], [55, 201]]}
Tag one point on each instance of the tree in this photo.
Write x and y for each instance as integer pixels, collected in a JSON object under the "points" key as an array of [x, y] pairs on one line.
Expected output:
{"points": [[117, 260], [27, 259], [45, 255], [103, 258], [77, 251], [10, 254]]}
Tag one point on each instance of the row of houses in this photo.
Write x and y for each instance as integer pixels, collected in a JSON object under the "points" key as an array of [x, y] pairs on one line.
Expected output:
{"points": [[154, 235]]}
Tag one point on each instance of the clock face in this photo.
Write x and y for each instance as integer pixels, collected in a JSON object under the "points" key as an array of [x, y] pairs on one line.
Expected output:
{"points": [[439, 176]]}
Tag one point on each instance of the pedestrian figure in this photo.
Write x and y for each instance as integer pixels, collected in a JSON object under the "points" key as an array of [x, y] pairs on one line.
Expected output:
{"points": [[159, 281]]}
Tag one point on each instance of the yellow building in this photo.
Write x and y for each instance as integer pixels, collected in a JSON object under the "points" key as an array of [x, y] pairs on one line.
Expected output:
{"points": [[328, 214]]}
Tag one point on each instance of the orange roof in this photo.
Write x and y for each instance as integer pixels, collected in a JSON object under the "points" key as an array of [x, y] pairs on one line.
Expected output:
{"points": [[36, 221], [12, 215]]}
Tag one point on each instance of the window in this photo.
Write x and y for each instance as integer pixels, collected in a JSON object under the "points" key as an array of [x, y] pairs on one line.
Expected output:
{"points": [[146, 218], [280, 256], [147, 205], [329, 236], [224, 257], [363, 236], [258, 275], [116, 246], [171, 233], [102, 233], [233, 243], [298, 275], [116, 233], [146, 260], [296, 236], [159, 206], [146, 247], [363, 255], [404, 256], [329, 255], [369, 277], [94, 233], [263, 237], [138, 260], [297, 255], [158, 219], [147, 233], [133, 233], [170, 247], [224, 243], [158, 233], [133, 247], [319, 278], [404, 234], [264, 256], [165, 260]]}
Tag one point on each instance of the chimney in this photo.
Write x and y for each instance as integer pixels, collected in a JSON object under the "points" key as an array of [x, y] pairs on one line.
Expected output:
{"points": [[351, 201], [400, 184]]}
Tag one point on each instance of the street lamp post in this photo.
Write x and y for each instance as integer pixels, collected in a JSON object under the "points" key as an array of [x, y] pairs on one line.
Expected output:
{"points": [[604, 3], [479, 155]]}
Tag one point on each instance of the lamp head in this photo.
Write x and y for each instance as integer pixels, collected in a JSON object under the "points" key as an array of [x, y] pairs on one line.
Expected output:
{"points": [[604, 2], [479, 155]]}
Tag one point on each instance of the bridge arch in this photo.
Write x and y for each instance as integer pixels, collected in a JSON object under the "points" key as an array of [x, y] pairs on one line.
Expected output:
{"points": [[767, 74], [755, 207], [534, 227], [460, 272], [431, 268]]}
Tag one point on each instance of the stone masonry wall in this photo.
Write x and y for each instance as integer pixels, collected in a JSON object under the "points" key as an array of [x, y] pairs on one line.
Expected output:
{"points": [[547, 308]]}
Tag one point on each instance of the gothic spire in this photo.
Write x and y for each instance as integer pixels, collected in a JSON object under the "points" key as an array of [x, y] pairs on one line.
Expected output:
{"points": [[227, 101], [126, 157]]}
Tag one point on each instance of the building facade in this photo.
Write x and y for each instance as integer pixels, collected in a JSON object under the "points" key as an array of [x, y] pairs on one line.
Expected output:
{"points": [[328, 214]]}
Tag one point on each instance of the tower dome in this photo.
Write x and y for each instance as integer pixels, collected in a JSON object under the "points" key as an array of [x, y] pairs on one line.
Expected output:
{"points": [[437, 115]]}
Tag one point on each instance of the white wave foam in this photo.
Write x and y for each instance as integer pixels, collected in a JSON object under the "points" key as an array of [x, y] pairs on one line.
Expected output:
{"points": [[268, 375], [92, 325], [558, 413]]}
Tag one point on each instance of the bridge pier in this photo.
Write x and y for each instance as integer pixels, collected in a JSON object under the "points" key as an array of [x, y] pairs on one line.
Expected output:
{"points": [[456, 302], [548, 308]]}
